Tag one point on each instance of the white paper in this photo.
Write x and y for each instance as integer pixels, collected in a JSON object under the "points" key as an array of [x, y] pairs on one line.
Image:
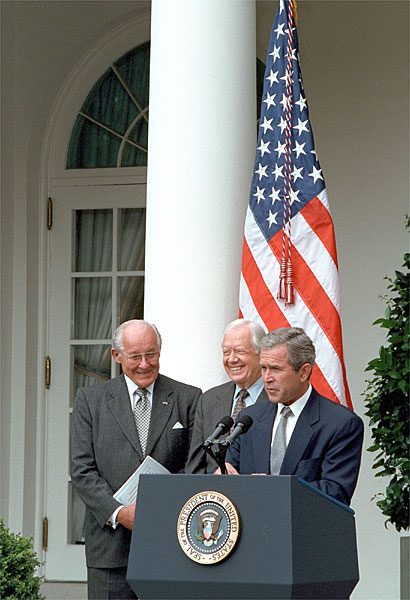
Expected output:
{"points": [[127, 493]]}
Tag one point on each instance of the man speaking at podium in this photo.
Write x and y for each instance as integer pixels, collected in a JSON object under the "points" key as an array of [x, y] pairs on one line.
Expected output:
{"points": [[240, 355], [298, 432]]}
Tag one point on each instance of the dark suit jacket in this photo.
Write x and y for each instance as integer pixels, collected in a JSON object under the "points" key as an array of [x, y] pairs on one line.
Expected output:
{"points": [[325, 447], [212, 406], [105, 451]]}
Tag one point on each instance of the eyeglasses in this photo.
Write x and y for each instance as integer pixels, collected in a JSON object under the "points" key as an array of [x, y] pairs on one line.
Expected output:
{"points": [[137, 358]]}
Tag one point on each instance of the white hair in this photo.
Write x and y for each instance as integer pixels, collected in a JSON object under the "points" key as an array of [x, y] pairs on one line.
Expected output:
{"points": [[256, 330], [117, 338]]}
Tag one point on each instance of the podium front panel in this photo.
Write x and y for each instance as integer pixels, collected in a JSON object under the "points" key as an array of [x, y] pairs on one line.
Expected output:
{"points": [[290, 543]]}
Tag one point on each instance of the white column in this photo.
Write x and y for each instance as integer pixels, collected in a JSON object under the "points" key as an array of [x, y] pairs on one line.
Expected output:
{"points": [[202, 139]]}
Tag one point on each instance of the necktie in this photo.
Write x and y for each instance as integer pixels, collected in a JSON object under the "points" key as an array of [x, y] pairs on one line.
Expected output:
{"points": [[239, 404], [142, 416], [278, 448]]}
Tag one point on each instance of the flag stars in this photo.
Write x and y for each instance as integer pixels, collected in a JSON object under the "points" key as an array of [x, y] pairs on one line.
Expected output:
{"points": [[301, 102], [280, 149], [259, 194], [286, 103], [277, 171], [275, 53], [292, 54], [270, 100], [266, 124], [275, 195], [272, 218], [272, 77], [296, 173], [294, 196], [279, 30], [282, 124], [261, 171], [287, 78], [301, 126], [316, 174], [299, 148], [264, 147]]}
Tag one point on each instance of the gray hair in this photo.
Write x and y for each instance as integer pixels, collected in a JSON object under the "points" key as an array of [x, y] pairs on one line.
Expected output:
{"points": [[117, 338], [256, 330], [300, 347]]}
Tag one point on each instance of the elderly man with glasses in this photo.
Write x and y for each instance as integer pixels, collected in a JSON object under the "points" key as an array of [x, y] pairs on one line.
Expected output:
{"points": [[115, 425]]}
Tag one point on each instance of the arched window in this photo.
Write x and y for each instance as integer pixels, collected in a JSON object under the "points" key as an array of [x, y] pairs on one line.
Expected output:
{"points": [[111, 129]]}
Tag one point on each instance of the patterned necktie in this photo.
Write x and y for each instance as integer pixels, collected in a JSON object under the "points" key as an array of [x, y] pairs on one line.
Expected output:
{"points": [[142, 416], [239, 404], [278, 448]]}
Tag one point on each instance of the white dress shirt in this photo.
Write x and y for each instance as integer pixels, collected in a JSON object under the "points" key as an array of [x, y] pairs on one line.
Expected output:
{"points": [[296, 408]]}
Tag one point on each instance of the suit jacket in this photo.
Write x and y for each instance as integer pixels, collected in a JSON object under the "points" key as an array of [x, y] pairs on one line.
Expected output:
{"points": [[212, 406], [105, 451], [325, 447]]}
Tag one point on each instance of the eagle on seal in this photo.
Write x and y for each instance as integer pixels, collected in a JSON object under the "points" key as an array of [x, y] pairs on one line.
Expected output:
{"points": [[209, 521]]}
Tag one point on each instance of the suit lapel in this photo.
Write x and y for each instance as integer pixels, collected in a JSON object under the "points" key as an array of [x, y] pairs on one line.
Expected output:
{"points": [[223, 403], [301, 436], [263, 396], [120, 406], [163, 401], [261, 440]]}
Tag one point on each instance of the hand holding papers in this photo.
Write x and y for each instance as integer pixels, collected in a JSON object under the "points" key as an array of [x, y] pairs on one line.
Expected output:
{"points": [[127, 493]]}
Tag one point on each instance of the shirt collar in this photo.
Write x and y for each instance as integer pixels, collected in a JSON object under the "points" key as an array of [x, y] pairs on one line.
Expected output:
{"points": [[254, 391], [299, 404], [132, 387]]}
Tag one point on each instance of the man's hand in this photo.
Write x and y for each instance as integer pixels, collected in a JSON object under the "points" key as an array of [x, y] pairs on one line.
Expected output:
{"points": [[230, 469], [126, 515]]}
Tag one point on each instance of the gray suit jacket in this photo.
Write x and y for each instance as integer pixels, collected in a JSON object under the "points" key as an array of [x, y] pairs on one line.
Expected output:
{"points": [[105, 451], [212, 406]]}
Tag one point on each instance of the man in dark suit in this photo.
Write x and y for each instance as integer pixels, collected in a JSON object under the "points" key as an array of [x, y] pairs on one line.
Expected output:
{"points": [[115, 425], [298, 432], [240, 354]]}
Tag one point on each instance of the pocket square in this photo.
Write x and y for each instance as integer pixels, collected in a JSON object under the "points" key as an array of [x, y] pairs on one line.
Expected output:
{"points": [[177, 425]]}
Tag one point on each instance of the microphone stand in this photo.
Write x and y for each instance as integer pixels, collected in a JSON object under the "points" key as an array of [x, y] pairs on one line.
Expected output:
{"points": [[218, 456]]}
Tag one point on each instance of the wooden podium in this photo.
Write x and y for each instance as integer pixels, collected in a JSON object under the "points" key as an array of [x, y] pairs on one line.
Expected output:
{"points": [[294, 541]]}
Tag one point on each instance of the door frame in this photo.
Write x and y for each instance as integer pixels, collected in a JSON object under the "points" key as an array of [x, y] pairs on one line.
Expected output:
{"points": [[120, 39]]}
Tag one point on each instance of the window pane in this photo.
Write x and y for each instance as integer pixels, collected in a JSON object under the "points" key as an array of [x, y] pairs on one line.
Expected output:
{"points": [[132, 239], [93, 240], [131, 298], [92, 308], [134, 69], [132, 156], [91, 364], [92, 146], [110, 104]]}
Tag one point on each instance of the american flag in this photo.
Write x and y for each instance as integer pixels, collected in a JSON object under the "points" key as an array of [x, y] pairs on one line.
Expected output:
{"points": [[289, 264]]}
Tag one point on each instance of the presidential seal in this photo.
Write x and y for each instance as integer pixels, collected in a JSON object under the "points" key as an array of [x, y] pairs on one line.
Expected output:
{"points": [[208, 527]]}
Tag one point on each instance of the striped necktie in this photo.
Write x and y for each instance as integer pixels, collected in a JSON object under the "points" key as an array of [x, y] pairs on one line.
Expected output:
{"points": [[278, 447]]}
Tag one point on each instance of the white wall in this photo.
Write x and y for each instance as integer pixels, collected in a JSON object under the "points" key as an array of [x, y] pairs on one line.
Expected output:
{"points": [[354, 59]]}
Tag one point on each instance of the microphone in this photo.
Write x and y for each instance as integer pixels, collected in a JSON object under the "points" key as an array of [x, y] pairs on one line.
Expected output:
{"points": [[223, 426], [242, 426]]}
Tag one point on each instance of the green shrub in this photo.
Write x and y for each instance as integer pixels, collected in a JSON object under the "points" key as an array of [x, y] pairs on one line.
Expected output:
{"points": [[387, 402], [18, 563]]}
